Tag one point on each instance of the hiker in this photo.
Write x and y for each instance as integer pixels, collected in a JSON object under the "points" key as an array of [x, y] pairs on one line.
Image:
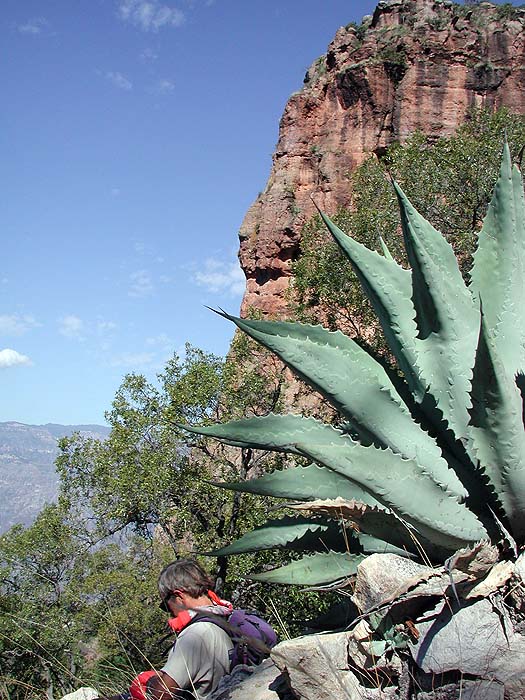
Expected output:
{"points": [[212, 638], [201, 655]]}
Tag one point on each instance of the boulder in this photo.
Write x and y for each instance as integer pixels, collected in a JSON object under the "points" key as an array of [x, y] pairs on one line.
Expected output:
{"points": [[249, 683], [381, 577], [321, 667], [82, 694], [476, 640]]}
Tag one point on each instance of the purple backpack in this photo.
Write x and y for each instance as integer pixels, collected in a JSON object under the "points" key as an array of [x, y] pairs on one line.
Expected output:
{"points": [[252, 636]]}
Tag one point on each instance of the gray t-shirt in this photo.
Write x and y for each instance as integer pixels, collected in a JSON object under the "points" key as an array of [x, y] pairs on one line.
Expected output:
{"points": [[199, 658]]}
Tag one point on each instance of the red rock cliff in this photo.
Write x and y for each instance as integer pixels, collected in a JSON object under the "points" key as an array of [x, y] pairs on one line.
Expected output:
{"points": [[414, 65]]}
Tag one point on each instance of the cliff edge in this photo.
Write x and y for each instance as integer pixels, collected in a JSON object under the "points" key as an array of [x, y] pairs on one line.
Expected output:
{"points": [[413, 65]]}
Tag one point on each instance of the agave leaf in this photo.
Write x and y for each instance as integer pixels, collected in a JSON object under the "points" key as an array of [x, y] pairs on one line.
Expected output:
{"points": [[384, 248], [358, 387], [441, 300], [376, 545], [498, 272], [497, 430], [400, 484], [446, 317], [314, 570], [306, 534], [295, 533], [388, 287], [404, 487], [303, 483], [379, 523], [437, 368]]}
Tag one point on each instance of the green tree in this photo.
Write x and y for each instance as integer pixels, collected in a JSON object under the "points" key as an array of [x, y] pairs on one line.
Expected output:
{"points": [[38, 631], [72, 615], [147, 474], [449, 181], [124, 631]]}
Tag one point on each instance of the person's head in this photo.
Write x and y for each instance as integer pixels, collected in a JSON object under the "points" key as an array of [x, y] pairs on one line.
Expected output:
{"points": [[184, 579]]}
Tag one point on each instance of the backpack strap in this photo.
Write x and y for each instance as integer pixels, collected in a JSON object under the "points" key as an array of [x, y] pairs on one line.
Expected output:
{"points": [[235, 634]]}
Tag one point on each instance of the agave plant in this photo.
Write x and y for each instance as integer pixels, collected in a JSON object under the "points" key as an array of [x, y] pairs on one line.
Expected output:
{"points": [[428, 458]]}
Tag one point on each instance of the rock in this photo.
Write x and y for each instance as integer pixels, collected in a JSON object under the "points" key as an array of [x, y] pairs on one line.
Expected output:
{"points": [[82, 694], [515, 689], [382, 577], [248, 682], [317, 666], [472, 641], [466, 690], [469, 649], [416, 65], [321, 667]]}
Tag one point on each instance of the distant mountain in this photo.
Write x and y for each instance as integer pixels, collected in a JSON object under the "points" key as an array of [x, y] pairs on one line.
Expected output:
{"points": [[27, 467]]}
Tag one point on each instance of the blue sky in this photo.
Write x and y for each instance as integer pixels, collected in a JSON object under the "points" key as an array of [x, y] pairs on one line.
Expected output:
{"points": [[134, 136]]}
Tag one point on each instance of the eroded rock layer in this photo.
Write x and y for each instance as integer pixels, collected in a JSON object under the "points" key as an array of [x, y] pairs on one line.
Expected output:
{"points": [[414, 65]]}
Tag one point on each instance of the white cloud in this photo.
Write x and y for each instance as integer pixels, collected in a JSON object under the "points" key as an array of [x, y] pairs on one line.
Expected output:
{"points": [[148, 55], [134, 360], [162, 343], [33, 26], [16, 324], [141, 284], [71, 327], [220, 276], [164, 87], [106, 327], [119, 80], [149, 15], [11, 358]]}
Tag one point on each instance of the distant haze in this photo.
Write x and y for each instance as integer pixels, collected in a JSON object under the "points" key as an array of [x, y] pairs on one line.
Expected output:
{"points": [[27, 467]]}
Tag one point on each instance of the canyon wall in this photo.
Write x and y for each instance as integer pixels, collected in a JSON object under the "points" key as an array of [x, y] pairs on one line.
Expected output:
{"points": [[413, 65]]}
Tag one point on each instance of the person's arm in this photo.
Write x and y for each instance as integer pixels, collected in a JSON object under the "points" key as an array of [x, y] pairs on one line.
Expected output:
{"points": [[163, 687], [159, 687]]}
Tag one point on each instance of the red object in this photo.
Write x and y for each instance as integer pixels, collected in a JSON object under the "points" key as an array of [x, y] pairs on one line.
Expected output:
{"points": [[179, 622], [183, 619], [137, 688]]}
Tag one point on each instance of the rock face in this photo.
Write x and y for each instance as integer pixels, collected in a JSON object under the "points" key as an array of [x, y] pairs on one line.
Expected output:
{"points": [[414, 65]]}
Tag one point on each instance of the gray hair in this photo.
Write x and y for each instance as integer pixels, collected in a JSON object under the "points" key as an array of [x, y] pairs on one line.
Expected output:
{"points": [[185, 575]]}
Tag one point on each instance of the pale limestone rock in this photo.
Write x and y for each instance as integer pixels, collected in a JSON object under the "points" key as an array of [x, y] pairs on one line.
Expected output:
{"points": [[319, 668], [248, 683], [82, 694], [472, 641], [381, 577]]}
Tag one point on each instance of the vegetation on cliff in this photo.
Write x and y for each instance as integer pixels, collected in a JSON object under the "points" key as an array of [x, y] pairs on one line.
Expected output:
{"points": [[449, 181]]}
